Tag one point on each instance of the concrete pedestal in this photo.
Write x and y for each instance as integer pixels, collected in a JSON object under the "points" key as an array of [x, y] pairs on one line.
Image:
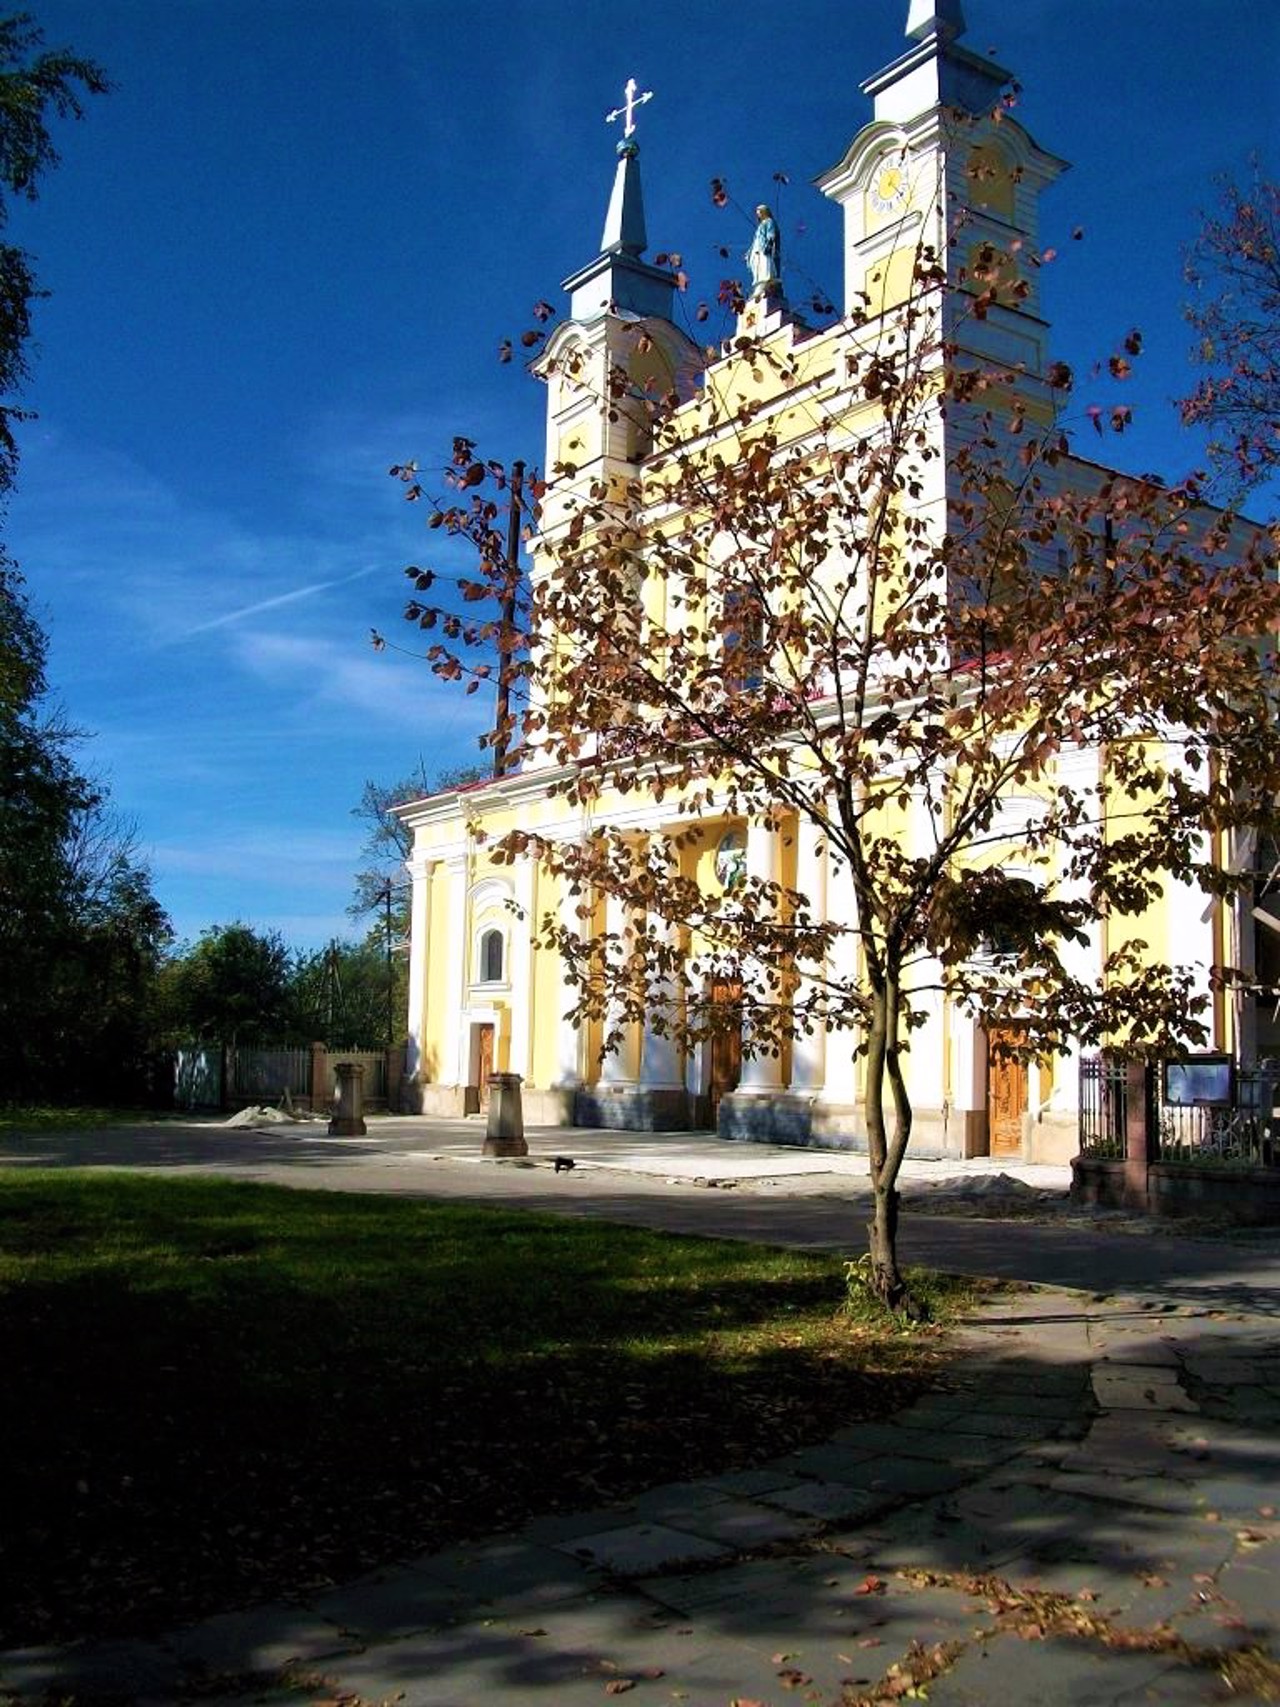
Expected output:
{"points": [[348, 1101], [505, 1133]]}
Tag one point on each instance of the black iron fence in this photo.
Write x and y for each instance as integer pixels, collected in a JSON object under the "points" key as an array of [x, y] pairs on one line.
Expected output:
{"points": [[1104, 1089], [1241, 1132]]}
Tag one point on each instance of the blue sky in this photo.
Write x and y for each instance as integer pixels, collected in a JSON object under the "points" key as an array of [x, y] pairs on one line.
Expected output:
{"points": [[283, 252]]}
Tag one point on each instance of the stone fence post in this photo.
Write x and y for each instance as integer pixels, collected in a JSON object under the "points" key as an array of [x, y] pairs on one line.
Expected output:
{"points": [[1137, 1136]]}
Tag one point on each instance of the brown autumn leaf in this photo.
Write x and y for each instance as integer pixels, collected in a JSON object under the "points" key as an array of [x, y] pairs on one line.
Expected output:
{"points": [[619, 1685], [792, 1678]]}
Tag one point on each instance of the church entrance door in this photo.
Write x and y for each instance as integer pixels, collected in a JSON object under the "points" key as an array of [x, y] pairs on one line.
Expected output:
{"points": [[1006, 1095], [726, 1045], [484, 1061]]}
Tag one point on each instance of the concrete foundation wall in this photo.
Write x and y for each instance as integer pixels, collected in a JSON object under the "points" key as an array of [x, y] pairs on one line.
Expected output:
{"points": [[1247, 1196], [633, 1108]]}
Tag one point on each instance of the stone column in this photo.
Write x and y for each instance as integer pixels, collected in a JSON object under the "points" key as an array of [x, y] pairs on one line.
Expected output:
{"points": [[452, 1071], [760, 1072], [419, 958], [808, 1054], [660, 1065]]}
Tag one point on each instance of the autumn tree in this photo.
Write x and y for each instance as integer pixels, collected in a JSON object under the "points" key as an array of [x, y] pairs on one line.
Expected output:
{"points": [[1016, 696], [1234, 272]]}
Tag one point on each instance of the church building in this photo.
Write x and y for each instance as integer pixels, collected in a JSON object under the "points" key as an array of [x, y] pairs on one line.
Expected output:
{"points": [[486, 991]]}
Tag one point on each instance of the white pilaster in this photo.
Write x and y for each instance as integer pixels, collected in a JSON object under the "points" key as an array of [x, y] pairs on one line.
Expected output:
{"points": [[808, 1053], [453, 1069], [760, 1072], [419, 958], [569, 1035], [617, 1067], [841, 1071], [660, 1064], [521, 976]]}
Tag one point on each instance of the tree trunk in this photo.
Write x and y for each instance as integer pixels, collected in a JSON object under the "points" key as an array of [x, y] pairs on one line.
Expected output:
{"points": [[882, 1244], [885, 1154]]}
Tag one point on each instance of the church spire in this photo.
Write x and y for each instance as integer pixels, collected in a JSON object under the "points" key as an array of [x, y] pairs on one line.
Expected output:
{"points": [[619, 280], [624, 231]]}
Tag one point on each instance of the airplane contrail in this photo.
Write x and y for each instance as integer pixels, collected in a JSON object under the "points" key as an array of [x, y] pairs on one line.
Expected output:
{"points": [[278, 600]]}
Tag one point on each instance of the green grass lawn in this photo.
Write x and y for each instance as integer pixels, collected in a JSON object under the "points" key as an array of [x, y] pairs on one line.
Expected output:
{"points": [[220, 1392]]}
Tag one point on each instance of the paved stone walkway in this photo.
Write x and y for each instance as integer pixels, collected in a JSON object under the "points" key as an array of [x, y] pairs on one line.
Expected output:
{"points": [[1084, 1512]]}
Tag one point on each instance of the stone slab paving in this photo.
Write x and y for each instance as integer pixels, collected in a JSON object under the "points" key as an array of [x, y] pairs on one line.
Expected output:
{"points": [[1084, 1511]]}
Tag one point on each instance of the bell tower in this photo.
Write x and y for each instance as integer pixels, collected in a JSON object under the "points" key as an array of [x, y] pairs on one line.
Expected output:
{"points": [[944, 173], [618, 347]]}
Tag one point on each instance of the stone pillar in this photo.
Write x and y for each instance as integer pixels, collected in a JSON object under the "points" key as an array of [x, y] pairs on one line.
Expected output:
{"points": [[348, 1102], [504, 1134], [660, 1065], [419, 958], [1137, 1136], [808, 1053], [617, 1068], [452, 1069], [759, 1072]]}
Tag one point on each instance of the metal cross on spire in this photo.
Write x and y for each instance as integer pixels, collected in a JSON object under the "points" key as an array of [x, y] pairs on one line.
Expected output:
{"points": [[627, 110]]}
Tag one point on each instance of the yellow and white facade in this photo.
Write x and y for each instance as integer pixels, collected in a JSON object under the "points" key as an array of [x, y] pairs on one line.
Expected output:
{"points": [[485, 994]]}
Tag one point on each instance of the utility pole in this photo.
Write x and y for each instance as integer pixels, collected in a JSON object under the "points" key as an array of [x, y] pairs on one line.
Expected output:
{"points": [[507, 625]]}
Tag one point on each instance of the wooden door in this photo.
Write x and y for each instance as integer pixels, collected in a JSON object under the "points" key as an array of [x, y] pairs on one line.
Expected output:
{"points": [[484, 1061], [726, 1044], [1006, 1095]]}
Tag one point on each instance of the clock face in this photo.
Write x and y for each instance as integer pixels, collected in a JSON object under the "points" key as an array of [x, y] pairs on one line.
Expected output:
{"points": [[889, 189]]}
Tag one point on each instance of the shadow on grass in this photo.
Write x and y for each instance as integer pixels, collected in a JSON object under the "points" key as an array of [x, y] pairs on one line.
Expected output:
{"points": [[229, 1391]]}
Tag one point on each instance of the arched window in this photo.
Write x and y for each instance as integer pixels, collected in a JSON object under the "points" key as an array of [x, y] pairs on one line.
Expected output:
{"points": [[491, 947]]}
